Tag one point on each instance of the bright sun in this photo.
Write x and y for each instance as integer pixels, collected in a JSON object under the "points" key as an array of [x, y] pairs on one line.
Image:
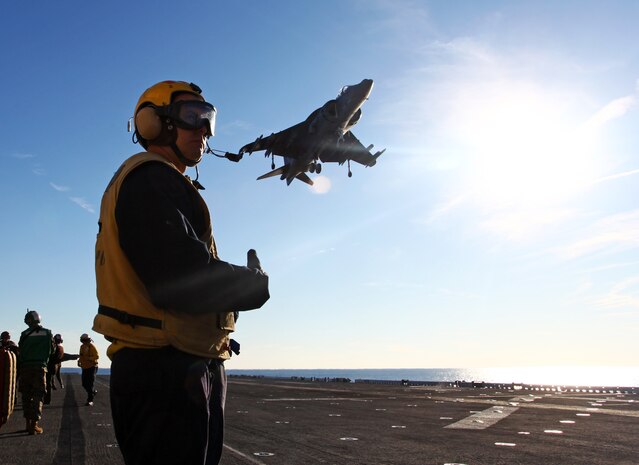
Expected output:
{"points": [[523, 147]]}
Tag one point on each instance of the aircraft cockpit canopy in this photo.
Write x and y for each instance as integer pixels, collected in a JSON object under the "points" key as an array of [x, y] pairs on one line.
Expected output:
{"points": [[342, 91]]}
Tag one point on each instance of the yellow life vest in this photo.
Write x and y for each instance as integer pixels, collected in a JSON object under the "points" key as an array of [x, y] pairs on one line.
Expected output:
{"points": [[126, 315]]}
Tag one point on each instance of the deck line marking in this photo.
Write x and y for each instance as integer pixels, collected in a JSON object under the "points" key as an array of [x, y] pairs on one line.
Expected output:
{"points": [[542, 406], [483, 419], [294, 386], [307, 399], [243, 455]]}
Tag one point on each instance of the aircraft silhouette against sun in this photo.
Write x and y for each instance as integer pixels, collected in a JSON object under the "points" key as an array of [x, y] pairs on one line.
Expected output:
{"points": [[324, 136]]}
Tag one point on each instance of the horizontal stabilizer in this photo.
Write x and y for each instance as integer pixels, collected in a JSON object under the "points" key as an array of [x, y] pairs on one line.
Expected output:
{"points": [[275, 172], [303, 177], [376, 156]]}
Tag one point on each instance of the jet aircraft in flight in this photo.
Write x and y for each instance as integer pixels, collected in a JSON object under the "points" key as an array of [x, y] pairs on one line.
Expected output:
{"points": [[324, 136]]}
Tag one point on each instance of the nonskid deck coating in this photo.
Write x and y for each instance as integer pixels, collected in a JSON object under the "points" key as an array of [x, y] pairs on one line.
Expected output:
{"points": [[291, 422]]}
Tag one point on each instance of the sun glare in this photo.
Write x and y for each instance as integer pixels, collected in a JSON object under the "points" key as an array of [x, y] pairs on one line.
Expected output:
{"points": [[321, 185], [523, 148]]}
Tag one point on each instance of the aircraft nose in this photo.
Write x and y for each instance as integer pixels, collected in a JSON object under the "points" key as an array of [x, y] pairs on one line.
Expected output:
{"points": [[367, 83], [366, 86]]}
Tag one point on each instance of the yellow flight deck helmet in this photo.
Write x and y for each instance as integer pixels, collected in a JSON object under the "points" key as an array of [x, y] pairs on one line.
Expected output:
{"points": [[156, 114], [160, 94]]}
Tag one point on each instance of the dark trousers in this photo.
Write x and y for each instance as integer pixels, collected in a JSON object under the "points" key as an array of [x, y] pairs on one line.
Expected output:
{"points": [[56, 373], [53, 370], [168, 407], [33, 388], [88, 381]]}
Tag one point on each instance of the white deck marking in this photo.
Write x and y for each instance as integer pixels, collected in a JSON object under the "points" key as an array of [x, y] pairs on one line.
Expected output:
{"points": [[244, 456], [483, 419], [315, 399], [572, 408]]}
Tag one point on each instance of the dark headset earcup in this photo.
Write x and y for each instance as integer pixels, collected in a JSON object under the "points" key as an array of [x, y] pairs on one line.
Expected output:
{"points": [[147, 123]]}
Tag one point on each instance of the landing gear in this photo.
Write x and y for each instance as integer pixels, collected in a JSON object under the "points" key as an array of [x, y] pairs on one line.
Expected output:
{"points": [[315, 168], [350, 173], [270, 154]]}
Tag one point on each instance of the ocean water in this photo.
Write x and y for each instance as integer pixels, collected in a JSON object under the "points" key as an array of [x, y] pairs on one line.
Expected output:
{"points": [[627, 376], [559, 376]]}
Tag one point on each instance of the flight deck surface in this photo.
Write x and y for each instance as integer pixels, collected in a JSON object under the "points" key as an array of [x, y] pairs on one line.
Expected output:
{"points": [[286, 422]]}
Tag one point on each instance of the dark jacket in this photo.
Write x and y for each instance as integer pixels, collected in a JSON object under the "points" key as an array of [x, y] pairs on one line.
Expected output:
{"points": [[36, 346], [57, 356]]}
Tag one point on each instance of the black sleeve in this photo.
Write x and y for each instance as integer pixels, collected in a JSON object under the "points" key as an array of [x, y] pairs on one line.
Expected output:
{"points": [[157, 217]]}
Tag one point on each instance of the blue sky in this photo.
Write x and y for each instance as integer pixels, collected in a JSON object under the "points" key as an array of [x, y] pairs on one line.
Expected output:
{"points": [[500, 228]]}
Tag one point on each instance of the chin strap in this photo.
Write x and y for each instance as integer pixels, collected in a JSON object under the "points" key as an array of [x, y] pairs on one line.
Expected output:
{"points": [[182, 158], [190, 164]]}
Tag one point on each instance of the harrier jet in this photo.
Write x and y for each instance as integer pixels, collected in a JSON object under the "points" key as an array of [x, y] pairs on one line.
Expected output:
{"points": [[325, 136]]}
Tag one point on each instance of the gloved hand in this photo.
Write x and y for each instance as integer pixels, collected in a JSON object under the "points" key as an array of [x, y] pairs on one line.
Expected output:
{"points": [[253, 287], [234, 346], [252, 261]]}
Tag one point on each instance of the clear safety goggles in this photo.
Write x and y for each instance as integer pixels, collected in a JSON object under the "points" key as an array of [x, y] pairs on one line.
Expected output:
{"points": [[193, 114]]}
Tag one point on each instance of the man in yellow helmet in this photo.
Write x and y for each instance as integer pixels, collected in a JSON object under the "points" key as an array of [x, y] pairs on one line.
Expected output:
{"points": [[167, 303]]}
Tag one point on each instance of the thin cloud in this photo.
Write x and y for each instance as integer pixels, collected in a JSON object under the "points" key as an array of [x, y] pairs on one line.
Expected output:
{"points": [[234, 126], [394, 285], [616, 176], [309, 254], [59, 188], [36, 167], [464, 49], [525, 223], [445, 207], [39, 171], [614, 233], [22, 156], [623, 294], [610, 266], [613, 110], [83, 204]]}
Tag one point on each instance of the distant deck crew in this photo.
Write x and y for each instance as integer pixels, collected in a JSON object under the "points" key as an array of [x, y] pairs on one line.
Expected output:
{"points": [[54, 365], [88, 361], [35, 345], [7, 343]]}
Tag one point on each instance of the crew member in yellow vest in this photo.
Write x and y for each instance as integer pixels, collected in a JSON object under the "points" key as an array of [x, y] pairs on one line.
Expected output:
{"points": [[88, 361], [167, 303]]}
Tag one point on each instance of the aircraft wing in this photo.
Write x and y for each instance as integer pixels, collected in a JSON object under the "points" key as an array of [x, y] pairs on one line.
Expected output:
{"points": [[350, 148], [291, 142]]}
